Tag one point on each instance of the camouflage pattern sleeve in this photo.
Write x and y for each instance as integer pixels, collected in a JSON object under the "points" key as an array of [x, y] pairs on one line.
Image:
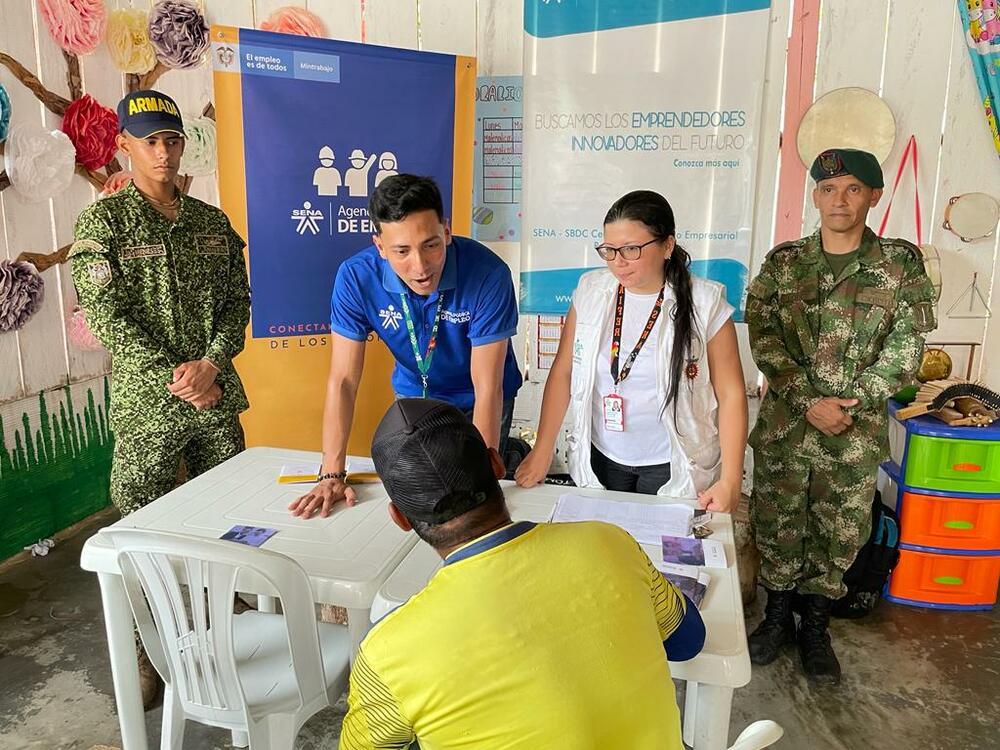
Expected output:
{"points": [[103, 294], [767, 343], [234, 314], [904, 343]]}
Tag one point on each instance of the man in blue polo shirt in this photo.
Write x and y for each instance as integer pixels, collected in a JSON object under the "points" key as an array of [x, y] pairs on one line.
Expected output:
{"points": [[446, 308]]}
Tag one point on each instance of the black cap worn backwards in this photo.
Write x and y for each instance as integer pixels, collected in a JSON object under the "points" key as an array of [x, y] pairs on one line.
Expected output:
{"points": [[432, 460], [145, 113], [835, 162]]}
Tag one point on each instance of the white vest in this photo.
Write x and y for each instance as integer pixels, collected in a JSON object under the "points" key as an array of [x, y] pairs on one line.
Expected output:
{"points": [[695, 455]]}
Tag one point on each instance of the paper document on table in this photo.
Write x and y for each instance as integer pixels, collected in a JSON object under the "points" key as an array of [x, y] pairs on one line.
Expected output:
{"points": [[692, 581], [360, 464], [646, 522], [688, 551], [298, 472]]}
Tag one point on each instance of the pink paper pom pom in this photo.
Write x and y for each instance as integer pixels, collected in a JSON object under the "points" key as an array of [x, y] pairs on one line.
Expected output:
{"points": [[76, 25], [292, 20]]}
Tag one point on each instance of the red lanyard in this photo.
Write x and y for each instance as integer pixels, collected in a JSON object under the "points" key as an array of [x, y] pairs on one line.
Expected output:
{"points": [[616, 335]]}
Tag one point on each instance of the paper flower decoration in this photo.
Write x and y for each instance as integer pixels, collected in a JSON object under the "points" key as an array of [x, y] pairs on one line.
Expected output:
{"points": [[178, 33], [199, 151], [292, 20], [92, 128], [39, 162], [76, 25], [21, 292], [115, 182], [79, 333], [4, 113], [128, 41]]}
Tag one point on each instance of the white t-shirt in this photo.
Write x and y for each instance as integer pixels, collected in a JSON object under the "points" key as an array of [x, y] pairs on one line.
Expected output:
{"points": [[645, 441]]}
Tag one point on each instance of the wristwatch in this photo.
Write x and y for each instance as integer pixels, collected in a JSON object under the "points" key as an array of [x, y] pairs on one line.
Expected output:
{"points": [[332, 475]]}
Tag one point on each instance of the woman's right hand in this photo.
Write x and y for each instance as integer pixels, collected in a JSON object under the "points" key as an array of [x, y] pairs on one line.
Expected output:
{"points": [[533, 469]]}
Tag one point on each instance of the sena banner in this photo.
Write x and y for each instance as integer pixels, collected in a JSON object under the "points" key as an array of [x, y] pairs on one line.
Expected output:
{"points": [[307, 129], [661, 95]]}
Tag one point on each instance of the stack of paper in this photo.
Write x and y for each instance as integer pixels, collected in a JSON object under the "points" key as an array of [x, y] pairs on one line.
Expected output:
{"points": [[359, 471], [646, 522]]}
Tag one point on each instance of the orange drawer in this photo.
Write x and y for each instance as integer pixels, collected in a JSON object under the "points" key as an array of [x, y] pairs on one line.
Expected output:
{"points": [[950, 522], [963, 580]]}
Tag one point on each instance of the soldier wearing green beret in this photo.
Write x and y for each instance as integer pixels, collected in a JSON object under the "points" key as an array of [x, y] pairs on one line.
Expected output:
{"points": [[162, 280], [836, 323]]}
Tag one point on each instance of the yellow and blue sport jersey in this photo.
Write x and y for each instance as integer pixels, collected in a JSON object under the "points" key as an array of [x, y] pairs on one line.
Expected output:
{"points": [[533, 636]]}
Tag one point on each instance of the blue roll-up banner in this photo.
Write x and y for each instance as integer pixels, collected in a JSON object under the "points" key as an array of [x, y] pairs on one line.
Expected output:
{"points": [[307, 129]]}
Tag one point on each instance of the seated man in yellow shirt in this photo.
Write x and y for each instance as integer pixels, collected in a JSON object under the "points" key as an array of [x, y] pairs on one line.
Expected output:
{"points": [[530, 635]]}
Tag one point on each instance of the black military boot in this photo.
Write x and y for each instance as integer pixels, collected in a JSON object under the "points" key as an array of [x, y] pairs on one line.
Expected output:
{"points": [[777, 628], [818, 660]]}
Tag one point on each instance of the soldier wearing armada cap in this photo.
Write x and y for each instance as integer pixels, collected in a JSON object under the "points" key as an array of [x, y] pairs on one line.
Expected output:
{"points": [[162, 279], [836, 324]]}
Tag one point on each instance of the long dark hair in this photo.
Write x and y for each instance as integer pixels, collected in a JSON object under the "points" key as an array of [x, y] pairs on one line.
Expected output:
{"points": [[652, 210]]}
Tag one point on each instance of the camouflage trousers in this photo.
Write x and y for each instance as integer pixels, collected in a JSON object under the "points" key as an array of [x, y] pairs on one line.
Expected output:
{"points": [[145, 462], [810, 518]]}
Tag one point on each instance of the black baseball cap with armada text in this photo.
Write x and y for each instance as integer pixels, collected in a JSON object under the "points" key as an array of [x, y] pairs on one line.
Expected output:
{"points": [[148, 112]]}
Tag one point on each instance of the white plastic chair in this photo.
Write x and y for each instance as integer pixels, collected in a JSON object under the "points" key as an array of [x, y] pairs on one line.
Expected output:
{"points": [[758, 735], [262, 676]]}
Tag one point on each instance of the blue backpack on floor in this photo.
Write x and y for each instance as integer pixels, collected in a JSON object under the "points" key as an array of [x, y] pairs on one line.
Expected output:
{"points": [[867, 575]]}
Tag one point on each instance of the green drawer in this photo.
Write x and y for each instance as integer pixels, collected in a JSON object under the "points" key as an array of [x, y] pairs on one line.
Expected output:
{"points": [[955, 465]]}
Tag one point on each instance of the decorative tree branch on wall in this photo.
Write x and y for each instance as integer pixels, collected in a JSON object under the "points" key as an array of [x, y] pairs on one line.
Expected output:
{"points": [[58, 105]]}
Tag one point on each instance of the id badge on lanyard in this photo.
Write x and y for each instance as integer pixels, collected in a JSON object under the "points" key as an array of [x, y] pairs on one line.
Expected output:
{"points": [[613, 403], [614, 413]]}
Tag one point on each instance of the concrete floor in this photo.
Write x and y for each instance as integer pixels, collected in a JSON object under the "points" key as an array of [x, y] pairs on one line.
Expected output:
{"points": [[913, 678]]}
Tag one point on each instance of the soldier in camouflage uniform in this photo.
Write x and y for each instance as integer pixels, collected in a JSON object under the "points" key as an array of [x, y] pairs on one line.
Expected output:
{"points": [[164, 287], [162, 279], [836, 324]]}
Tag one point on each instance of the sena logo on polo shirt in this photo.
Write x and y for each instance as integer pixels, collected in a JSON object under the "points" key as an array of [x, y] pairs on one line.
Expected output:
{"points": [[390, 318]]}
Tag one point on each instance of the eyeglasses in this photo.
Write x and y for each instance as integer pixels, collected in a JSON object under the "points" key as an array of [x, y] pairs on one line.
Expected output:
{"points": [[628, 252]]}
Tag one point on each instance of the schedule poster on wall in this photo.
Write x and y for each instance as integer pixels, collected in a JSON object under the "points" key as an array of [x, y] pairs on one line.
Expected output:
{"points": [[664, 96], [307, 129], [496, 184]]}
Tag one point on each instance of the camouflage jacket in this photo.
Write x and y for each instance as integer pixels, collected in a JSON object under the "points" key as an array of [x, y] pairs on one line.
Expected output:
{"points": [[859, 335], [158, 293]]}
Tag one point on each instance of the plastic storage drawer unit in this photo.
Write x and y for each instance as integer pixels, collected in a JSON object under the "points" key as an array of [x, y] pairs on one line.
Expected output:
{"points": [[945, 581]]}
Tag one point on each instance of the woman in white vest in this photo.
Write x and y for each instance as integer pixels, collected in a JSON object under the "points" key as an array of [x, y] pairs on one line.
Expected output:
{"points": [[648, 357]]}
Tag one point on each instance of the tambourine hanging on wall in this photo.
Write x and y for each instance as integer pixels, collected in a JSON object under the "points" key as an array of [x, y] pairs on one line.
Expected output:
{"points": [[972, 216], [846, 118]]}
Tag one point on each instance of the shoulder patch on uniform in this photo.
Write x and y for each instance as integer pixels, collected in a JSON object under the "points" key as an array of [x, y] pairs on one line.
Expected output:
{"points": [[792, 245], [904, 244], [86, 246], [99, 272]]}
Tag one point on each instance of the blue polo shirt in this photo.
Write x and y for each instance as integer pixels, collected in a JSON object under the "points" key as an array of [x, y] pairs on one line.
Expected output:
{"points": [[480, 307]]}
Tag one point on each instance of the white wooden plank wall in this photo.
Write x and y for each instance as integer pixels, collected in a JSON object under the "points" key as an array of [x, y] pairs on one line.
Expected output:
{"points": [[914, 57]]}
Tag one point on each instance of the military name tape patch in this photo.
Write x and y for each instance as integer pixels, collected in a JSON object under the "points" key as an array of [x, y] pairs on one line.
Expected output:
{"points": [[99, 272], [212, 244], [878, 297], [143, 251]]}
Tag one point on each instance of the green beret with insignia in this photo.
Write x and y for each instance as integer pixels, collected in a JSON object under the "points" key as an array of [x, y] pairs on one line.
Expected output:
{"points": [[836, 162]]}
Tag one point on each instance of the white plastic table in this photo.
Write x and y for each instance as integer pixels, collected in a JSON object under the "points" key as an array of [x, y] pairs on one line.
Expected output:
{"points": [[722, 665], [347, 556]]}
